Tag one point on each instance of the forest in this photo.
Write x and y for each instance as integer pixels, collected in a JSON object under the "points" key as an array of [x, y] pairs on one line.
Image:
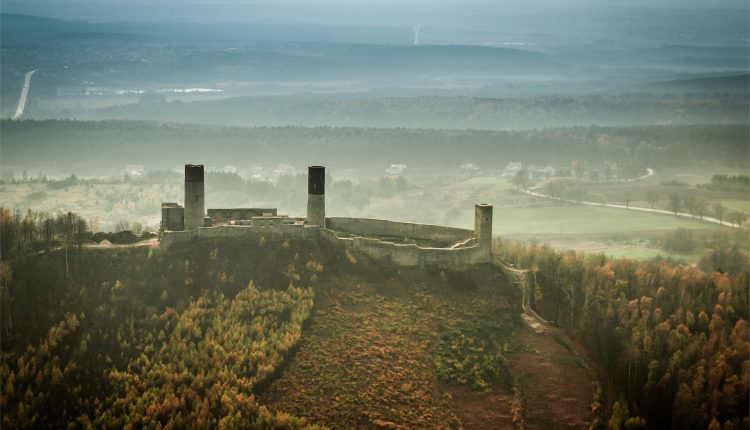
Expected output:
{"points": [[83, 146], [667, 334], [139, 339], [434, 111]]}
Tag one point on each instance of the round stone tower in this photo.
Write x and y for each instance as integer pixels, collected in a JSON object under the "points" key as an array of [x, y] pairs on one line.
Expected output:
{"points": [[483, 225], [316, 197], [195, 202]]}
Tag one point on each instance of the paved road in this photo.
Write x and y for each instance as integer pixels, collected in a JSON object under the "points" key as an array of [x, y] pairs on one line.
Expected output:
{"points": [[651, 172], [24, 95]]}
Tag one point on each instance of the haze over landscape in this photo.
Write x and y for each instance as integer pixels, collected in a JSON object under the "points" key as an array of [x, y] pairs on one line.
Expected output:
{"points": [[607, 286]]}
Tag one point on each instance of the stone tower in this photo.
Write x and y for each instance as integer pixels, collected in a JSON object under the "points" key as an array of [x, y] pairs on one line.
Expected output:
{"points": [[195, 202], [316, 198], [483, 225]]}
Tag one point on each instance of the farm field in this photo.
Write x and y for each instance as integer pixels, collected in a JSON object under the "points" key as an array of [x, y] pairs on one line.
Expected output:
{"points": [[737, 205], [581, 219]]}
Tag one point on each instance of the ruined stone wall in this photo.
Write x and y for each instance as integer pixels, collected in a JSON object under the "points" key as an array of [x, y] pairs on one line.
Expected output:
{"points": [[172, 217], [400, 254], [234, 214], [381, 227], [410, 254], [292, 231]]}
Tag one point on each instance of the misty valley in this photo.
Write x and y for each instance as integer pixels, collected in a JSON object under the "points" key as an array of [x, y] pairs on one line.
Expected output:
{"points": [[374, 216]]}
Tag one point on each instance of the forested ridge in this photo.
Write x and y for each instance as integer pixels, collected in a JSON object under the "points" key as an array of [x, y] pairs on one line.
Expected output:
{"points": [[696, 105], [143, 339], [86, 144], [106, 338], [673, 338]]}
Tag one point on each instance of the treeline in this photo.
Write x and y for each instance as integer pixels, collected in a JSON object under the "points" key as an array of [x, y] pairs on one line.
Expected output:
{"points": [[437, 111], [34, 231], [700, 207], [729, 183], [720, 251], [675, 339], [81, 144]]}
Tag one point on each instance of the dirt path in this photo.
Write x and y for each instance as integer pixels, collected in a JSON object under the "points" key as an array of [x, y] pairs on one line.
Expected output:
{"points": [[479, 411], [151, 243], [557, 388], [558, 379]]}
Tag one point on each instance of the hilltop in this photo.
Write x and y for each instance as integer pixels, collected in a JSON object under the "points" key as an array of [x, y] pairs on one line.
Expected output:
{"points": [[366, 344]]}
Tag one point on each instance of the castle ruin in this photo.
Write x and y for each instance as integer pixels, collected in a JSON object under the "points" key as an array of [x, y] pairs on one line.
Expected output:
{"points": [[402, 243]]}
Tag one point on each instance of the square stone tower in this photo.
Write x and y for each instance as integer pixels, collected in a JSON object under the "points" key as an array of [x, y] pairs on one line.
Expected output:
{"points": [[316, 197], [195, 199], [483, 225]]}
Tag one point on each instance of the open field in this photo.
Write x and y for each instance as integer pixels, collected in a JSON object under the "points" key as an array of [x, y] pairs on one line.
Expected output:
{"points": [[737, 205], [580, 219], [698, 175]]}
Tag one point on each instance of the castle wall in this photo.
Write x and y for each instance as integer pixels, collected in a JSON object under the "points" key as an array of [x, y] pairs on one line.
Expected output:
{"points": [[410, 255], [292, 231], [172, 217], [380, 227], [234, 214]]}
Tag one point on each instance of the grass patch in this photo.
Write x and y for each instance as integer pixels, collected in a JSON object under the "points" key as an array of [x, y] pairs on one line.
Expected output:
{"points": [[468, 357]]}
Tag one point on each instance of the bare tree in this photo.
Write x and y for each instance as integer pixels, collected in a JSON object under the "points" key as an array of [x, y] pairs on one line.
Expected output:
{"points": [[675, 203], [700, 207], [689, 204], [719, 210]]}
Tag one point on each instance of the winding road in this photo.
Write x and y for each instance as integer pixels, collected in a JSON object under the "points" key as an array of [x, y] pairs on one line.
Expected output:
{"points": [[24, 95], [650, 173]]}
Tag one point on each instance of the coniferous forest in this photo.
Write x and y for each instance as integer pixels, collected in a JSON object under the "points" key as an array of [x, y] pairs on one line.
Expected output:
{"points": [[674, 338]]}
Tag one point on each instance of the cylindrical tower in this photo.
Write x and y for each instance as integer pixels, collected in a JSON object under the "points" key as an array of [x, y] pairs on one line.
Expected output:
{"points": [[316, 197], [195, 203], [483, 225]]}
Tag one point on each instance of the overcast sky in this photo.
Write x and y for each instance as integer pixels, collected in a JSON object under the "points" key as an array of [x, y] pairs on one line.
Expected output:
{"points": [[377, 12], [427, 3]]}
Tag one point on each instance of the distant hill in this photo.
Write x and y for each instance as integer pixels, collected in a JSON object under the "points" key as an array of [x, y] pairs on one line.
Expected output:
{"points": [[729, 84], [83, 145], [439, 111], [15, 28], [18, 28]]}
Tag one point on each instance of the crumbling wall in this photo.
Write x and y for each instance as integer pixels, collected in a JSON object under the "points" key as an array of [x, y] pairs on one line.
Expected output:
{"points": [[397, 253], [254, 232], [412, 255], [381, 227], [234, 214], [409, 254], [172, 217]]}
